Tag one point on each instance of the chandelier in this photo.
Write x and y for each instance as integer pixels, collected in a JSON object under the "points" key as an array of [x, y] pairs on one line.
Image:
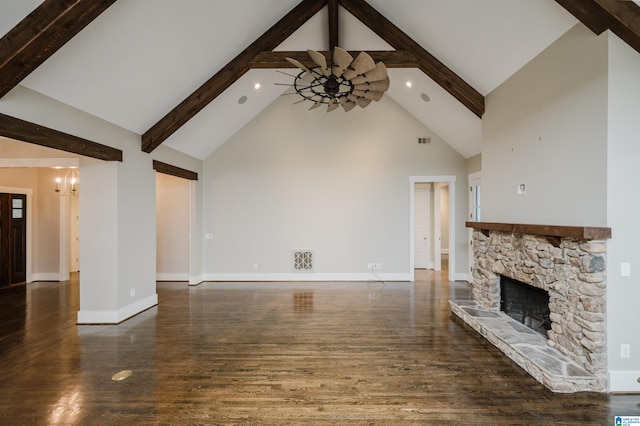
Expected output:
{"points": [[345, 81]]}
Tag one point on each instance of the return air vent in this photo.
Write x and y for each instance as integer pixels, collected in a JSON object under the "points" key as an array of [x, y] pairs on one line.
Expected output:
{"points": [[302, 260]]}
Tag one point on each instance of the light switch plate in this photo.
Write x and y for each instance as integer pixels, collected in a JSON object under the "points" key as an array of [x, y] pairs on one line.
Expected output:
{"points": [[625, 269]]}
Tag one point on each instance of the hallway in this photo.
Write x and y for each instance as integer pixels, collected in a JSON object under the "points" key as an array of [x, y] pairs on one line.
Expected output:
{"points": [[271, 353]]}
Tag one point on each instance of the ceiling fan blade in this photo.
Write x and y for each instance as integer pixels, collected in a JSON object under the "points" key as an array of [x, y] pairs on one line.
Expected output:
{"points": [[382, 85], [368, 94], [320, 60], [361, 102], [348, 105], [377, 74], [341, 61], [360, 65], [333, 105], [298, 64], [316, 105], [286, 73]]}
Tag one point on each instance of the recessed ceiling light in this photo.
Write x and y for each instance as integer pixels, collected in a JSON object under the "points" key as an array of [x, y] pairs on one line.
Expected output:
{"points": [[409, 84], [425, 97], [242, 100], [257, 86]]}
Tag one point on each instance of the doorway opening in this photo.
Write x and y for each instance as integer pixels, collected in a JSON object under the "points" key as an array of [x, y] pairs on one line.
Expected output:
{"points": [[173, 218], [47, 239], [432, 230]]}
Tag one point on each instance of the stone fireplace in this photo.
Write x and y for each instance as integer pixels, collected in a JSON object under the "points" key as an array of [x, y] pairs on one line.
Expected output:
{"points": [[568, 264]]}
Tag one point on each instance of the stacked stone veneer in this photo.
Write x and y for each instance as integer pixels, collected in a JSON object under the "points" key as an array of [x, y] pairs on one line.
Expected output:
{"points": [[574, 274]]}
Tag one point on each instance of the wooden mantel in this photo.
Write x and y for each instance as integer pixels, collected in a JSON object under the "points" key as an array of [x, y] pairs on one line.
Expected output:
{"points": [[578, 232]]}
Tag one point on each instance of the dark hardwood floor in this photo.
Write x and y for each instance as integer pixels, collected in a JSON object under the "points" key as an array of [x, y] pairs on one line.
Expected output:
{"points": [[271, 353]]}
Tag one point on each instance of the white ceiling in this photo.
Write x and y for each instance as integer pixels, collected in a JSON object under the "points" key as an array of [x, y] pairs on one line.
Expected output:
{"points": [[140, 58]]}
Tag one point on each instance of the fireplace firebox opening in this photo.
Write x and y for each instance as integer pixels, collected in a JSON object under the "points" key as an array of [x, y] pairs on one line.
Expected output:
{"points": [[526, 304]]}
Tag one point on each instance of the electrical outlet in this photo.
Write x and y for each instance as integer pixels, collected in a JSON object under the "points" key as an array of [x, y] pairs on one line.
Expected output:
{"points": [[208, 236], [374, 265], [255, 266], [625, 350], [133, 292]]}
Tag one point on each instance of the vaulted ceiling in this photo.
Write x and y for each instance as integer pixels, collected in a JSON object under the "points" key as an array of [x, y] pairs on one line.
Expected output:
{"points": [[175, 72]]}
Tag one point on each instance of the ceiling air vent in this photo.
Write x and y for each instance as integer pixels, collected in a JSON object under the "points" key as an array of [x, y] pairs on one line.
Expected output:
{"points": [[302, 260]]}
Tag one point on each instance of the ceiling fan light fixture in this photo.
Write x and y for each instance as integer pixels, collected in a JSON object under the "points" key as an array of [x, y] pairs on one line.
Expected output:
{"points": [[345, 81]]}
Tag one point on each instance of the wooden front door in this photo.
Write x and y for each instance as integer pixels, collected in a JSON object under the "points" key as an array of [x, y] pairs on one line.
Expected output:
{"points": [[13, 239]]}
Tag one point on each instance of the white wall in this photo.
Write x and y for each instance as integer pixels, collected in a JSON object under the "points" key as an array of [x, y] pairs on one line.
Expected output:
{"points": [[172, 228], [334, 183], [474, 164], [546, 127], [136, 227], [47, 225], [623, 158], [99, 284]]}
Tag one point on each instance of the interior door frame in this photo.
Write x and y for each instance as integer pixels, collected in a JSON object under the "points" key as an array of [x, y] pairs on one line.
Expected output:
{"points": [[29, 193], [451, 181]]}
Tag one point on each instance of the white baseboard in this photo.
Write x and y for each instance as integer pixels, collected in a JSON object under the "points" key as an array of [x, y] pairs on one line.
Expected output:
{"points": [[195, 280], [116, 317], [306, 277], [461, 277], [444, 251], [165, 276], [624, 381], [45, 276]]}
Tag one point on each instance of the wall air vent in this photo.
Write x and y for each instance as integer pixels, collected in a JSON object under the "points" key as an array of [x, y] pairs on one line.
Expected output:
{"points": [[302, 260]]}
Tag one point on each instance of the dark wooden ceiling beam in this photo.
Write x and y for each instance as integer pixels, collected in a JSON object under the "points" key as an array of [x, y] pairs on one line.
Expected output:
{"points": [[41, 34], [587, 12], [277, 59], [333, 24], [26, 131], [231, 72], [621, 17], [431, 66], [176, 171], [624, 20]]}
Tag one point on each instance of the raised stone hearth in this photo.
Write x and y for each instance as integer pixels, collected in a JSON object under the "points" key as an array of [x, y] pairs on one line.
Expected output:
{"points": [[526, 347], [570, 264]]}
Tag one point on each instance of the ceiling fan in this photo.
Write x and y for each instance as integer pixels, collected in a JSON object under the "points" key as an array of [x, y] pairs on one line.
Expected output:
{"points": [[345, 82]]}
